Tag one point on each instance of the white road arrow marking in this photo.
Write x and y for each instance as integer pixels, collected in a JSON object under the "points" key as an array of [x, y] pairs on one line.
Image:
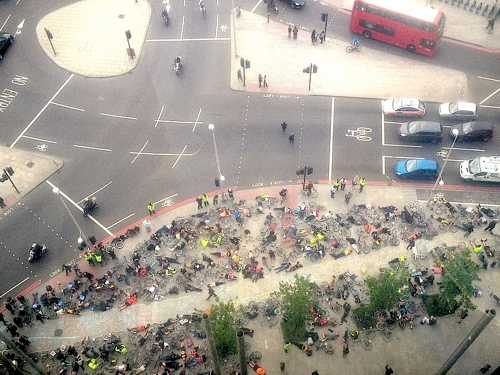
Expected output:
{"points": [[19, 27]]}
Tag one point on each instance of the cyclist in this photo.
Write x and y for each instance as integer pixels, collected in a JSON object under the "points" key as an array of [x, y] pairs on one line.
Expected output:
{"points": [[355, 42]]}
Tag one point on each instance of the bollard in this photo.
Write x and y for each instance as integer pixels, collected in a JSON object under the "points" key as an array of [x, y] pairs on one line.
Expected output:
{"points": [[472, 6], [211, 342], [460, 2], [467, 341], [485, 10], [242, 357], [479, 7], [466, 4], [492, 11]]}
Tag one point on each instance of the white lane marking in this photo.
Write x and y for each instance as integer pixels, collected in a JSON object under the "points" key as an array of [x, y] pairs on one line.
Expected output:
{"points": [[187, 40], [93, 148], [489, 79], [41, 111], [159, 116], [140, 151], [197, 120], [330, 156], [118, 116], [69, 107], [180, 155], [39, 139], [119, 221], [14, 287], [465, 149], [179, 122], [403, 145], [95, 192], [166, 154], [62, 194], [5, 23], [493, 93]]}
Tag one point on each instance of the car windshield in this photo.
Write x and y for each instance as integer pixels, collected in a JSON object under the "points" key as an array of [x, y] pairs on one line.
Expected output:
{"points": [[474, 166], [467, 127], [411, 165], [453, 107], [414, 127]]}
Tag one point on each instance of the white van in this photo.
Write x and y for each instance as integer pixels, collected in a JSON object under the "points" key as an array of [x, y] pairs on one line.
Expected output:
{"points": [[481, 169]]}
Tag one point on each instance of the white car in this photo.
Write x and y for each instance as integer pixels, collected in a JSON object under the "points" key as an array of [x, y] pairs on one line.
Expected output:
{"points": [[403, 107], [458, 111]]}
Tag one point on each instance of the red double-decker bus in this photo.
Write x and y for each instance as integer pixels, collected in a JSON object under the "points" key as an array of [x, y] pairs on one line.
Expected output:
{"points": [[413, 27]]}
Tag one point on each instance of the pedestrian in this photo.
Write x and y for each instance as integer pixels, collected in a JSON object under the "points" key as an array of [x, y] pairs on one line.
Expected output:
{"points": [[88, 258], [347, 308], [260, 80], [490, 25], [211, 292], [283, 126], [315, 372], [272, 257], [240, 75], [230, 193], [286, 348], [283, 193], [313, 36], [362, 182], [2, 319], [295, 32], [333, 191], [321, 37], [355, 181], [345, 349], [289, 31], [21, 299], [9, 307], [463, 315], [18, 321], [2, 203], [24, 340], [265, 80], [411, 244], [200, 202], [485, 369], [491, 225], [76, 269], [469, 230], [66, 268], [147, 225], [151, 208], [205, 200], [39, 316], [216, 200], [291, 138], [12, 330], [343, 183], [388, 370]]}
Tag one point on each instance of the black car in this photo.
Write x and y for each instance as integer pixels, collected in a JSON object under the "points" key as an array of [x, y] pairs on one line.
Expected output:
{"points": [[5, 42], [421, 131], [473, 131], [297, 4]]}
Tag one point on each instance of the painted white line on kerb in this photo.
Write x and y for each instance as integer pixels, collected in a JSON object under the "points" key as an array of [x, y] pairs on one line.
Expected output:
{"points": [[330, 161], [41, 111]]}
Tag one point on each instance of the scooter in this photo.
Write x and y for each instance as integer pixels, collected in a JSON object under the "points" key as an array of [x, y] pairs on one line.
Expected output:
{"points": [[164, 15], [177, 64], [36, 252]]}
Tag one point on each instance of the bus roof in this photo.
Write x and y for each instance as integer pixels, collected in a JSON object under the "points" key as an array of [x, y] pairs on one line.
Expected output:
{"points": [[404, 7]]}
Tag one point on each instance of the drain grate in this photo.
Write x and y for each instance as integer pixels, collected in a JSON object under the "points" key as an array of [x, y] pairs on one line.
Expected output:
{"points": [[58, 332]]}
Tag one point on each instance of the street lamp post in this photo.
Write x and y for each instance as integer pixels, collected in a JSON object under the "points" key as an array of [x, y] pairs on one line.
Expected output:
{"points": [[80, 240], [439, 179], [220, 176]]}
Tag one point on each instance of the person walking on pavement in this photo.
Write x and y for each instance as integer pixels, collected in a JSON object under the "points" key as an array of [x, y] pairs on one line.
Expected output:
{"points": [[205, 200], [491, 225], [200, 202], [2, 319], [216, 200], [313, 37], [2, 203], [491, 25], [411, 244], [265, 80], [239, 75], [283, 126], [211, 292], [260, 80], [291, 138], [9, 307], [362, 183], [355, 181], [12, 330], [485, 369], [321, 37], [463, 315], [388, 370], [151, 208], [333, 191], [343, 183], [295, 32], [289, 31]]}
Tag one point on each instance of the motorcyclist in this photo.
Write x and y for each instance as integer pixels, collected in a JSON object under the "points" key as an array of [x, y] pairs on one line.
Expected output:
{"points": [[177, 62], [164, 14]]}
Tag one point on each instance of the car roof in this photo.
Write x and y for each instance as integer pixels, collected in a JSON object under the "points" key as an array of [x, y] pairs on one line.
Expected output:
{"points": [[479, 125], [426, 164], [429, 125], [465, 106], [5, 36]]}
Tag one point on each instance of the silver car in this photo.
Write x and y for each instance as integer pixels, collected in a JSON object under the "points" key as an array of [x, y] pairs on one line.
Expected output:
{"points": [[458, 111]]}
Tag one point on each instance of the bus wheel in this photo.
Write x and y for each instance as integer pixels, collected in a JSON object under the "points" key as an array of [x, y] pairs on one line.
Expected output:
{"points": [[367, 34], [411, 48]]}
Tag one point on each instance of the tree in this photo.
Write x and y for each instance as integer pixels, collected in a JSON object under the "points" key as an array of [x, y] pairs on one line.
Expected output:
{"points": [[296, 298], [224, 328]]}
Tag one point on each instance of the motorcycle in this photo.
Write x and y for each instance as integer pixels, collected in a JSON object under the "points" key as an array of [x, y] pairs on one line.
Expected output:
{"points": [[177, 64], [164, 15], [37, 252], [89, 205]]}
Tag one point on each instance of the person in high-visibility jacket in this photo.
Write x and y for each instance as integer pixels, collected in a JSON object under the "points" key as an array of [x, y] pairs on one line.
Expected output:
{"points": [[93, 364]]}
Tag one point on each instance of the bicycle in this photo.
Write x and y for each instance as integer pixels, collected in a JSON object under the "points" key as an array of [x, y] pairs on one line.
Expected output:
{"points": [[314, 193], [355, 46]]}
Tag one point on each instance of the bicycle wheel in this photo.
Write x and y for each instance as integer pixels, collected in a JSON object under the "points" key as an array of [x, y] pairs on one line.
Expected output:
{"points": [[461, 245], [367, 344], [348, 49], [453, 228], [337, 308], [386, 335], [119, 244]]}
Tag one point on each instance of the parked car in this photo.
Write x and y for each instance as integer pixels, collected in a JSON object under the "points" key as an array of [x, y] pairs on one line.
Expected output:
{"points": [[297, 4], [421, 131], [420, 169], [458, 111], [403, 107], [6, 41], [473, 131]]}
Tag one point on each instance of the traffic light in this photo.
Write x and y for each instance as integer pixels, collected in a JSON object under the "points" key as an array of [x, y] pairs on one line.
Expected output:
{"points": [[49, 34], [242, 62], [309, 170], [247, 64], [128, 34], [300, 172], [10, 170], [315, 69], [306, 70], [4, 177], [324, 17], [217, 182]]}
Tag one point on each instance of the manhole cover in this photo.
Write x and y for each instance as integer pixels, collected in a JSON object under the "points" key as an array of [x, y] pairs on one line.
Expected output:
{"points": [[58, 332], [30, 164], [121, 16]]}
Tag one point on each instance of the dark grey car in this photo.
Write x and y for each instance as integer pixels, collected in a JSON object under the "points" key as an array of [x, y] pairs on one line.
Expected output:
{"points": [[473, 131], [421, 131], [5, 42]]}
